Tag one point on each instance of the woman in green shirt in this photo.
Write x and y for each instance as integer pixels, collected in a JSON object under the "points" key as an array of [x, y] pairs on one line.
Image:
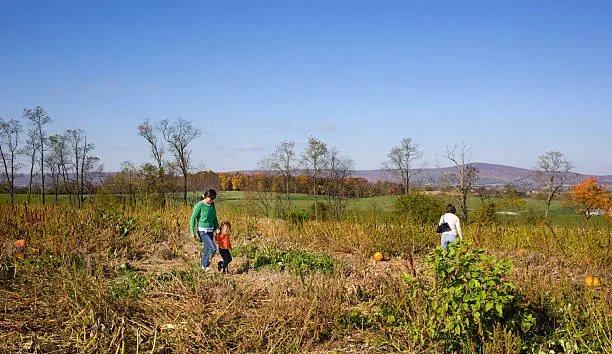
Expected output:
{"points": [[205, 214]]}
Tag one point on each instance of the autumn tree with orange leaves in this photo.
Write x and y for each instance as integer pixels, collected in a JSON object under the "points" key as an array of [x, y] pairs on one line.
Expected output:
{"points": [[590, 198]]}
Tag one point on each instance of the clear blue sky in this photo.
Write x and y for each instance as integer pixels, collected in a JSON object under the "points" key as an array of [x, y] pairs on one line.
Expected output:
{"points": [[513, 79]]}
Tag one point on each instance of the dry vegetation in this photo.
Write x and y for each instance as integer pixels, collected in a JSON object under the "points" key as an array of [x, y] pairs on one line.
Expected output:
{"points": [[104, 280]]}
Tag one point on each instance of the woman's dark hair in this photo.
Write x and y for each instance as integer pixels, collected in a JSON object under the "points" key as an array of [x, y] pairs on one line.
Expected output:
{"points": [[451, 209], [210, 193]]}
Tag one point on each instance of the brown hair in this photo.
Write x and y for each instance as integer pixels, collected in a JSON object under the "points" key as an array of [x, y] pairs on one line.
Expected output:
{"points": [[225, 223], [451, 209]]}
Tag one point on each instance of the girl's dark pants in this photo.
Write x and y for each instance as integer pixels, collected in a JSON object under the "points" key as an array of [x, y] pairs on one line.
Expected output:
{"points": [[227, 258]]}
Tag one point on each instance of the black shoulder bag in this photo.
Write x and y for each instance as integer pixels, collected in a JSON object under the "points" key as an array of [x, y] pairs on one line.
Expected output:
{"points": [[443, 227]]}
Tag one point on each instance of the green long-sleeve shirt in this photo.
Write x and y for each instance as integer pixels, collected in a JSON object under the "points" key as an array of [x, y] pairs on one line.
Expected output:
{"points": [[205, 214]]}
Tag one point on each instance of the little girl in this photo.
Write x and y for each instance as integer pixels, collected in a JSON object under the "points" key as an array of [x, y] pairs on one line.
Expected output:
{"points": [[223, 239]]}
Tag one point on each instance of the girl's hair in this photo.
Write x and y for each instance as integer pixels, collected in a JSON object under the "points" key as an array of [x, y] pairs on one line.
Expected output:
{"points": [[210, 193], [451, 209], [225, 223]]}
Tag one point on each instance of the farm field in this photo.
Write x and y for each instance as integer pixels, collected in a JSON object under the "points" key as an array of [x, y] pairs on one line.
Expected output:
{"points": [[381, 206], [104, 280]]}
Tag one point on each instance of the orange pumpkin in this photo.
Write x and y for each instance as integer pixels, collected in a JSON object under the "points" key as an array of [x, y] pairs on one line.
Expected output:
{"points": [[596, 281], [19, 255], [378, 256], [521, 251], [19, 243], [588, 281]]}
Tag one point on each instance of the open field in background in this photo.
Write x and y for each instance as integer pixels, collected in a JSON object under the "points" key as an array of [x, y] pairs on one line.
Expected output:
{"points": [[104, 280], [382, 206]]}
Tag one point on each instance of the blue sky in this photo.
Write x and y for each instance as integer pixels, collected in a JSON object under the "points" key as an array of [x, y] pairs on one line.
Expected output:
{"points": [[512, 79]]}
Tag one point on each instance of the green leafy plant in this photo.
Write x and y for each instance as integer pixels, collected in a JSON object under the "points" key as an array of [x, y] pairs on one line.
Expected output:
{"points": [[121, 223], [470, 295], [298, 261]]}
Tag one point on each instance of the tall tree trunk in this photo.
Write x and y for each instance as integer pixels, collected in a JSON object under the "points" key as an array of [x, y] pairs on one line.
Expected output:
{"points": [[10, 181], [548, 202], [31, 175], [314, 196], [464, 207], [185, 187], [42, 170]]}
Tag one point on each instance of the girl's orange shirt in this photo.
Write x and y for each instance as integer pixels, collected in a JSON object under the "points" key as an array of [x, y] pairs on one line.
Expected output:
{"points": [[223, 240]]}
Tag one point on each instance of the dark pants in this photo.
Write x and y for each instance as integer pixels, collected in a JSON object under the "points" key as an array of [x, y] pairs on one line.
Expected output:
{"points": [[227, 258]]}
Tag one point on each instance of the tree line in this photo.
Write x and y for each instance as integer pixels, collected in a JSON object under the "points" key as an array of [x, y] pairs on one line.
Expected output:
{"points": [[320, 169], [66, 157]]}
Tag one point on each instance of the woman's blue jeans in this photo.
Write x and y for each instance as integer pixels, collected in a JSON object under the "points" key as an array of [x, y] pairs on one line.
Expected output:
{"points": [[447, 239], [209, 247]]}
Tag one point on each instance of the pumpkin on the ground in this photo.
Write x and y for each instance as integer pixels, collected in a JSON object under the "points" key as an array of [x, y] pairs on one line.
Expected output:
{"points": [[378, 256], [596, 281]]}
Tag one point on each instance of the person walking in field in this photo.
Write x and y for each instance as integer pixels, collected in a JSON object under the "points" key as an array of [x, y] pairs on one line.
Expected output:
{"points": [[205, 214], [225, 245], [452, 220]]}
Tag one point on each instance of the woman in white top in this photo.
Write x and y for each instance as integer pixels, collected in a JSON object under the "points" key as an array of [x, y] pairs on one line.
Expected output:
{"points": [[452, 220]]}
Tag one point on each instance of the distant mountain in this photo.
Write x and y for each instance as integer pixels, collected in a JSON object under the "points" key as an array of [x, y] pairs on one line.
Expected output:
{"points": [[22, 179], [489, 175]]}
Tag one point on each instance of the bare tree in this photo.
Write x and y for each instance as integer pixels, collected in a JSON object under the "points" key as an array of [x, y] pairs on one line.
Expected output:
{"points": [[30, 149], [314, 162], [80, 154], [53, 161], [147, 131], [179, 135], [339, 169], [39, 118], [9, 143], [552, 172], [401, 162], [60, 157], [284, 161], [260, 190], [463, 175]]}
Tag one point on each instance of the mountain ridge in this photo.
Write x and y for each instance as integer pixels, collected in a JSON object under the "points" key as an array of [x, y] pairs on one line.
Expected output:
{"points": [[489, 175]]}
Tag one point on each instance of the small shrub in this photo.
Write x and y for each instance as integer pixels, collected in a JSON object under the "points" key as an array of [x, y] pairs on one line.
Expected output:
{"points": [[321, 212], [419, 207], [487, 214], [296, 217], [116, 220], [470, 296], [532, 217]]}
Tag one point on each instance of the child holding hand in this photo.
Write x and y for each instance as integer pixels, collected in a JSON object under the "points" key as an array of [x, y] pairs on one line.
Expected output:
{"points": [[223, 239]]}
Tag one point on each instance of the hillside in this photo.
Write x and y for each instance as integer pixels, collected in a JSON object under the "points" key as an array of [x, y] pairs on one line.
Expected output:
{"points": [[490, 175]]}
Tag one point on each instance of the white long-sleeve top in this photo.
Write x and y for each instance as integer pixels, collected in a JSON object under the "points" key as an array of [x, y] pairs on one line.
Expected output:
{"points": [[453, 222]]}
